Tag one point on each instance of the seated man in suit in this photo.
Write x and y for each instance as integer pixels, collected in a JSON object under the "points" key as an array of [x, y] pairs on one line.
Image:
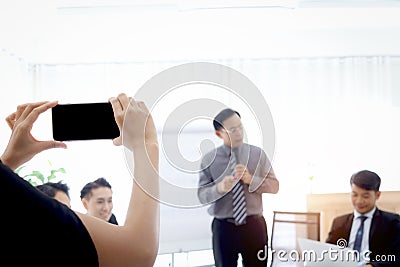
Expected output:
{"points": [[374, 233]]}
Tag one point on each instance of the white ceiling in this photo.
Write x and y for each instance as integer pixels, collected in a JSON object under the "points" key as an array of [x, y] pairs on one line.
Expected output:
{"points": [[208, 4], [62, 31]]}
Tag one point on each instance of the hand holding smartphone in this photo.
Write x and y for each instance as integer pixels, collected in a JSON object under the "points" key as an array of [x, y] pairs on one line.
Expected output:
{"points": [[87, 121]]}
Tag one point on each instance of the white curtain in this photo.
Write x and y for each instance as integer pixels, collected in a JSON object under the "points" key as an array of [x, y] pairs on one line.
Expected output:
{"points": [[325, 109], [16, 88]]}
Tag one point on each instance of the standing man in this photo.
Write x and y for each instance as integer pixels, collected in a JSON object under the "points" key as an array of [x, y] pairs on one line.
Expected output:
{"points": [[233, 178], [96, 197], [374, 233]]}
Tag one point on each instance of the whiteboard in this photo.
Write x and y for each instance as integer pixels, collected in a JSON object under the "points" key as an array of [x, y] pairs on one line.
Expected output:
{"points": [[185, 228]]}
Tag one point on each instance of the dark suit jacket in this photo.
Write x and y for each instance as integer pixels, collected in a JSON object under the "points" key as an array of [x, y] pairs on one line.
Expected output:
{"points": [[384, 236], [113, 219]]}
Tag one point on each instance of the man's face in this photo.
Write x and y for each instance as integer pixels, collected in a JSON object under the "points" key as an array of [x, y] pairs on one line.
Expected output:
{"points": [[63, 198], [232, 131], [363, 200], [100, 204]]}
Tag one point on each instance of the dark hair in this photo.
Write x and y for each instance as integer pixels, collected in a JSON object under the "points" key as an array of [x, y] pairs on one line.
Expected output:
{"points": [[366, 180], [222, 116], [86, 191], [51, 189]]}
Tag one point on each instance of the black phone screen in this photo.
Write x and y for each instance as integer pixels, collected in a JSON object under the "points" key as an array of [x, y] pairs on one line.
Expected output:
{"points": [[84, 122]]}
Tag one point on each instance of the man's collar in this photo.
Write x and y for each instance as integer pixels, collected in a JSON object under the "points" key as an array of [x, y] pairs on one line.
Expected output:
{"points": [[368, 214], [228, 149]]}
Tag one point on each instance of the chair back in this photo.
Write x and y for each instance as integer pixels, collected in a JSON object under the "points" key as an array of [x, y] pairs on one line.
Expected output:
{"points": [[286, 228]]}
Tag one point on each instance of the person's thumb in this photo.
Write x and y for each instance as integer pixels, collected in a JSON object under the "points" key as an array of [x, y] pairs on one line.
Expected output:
{"points": [[117, 141], [44, 145]]}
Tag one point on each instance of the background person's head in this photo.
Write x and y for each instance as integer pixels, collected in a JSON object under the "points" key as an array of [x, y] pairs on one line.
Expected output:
{"points": [[365, 190], [96, 197], [228, 126], [58, 191]]}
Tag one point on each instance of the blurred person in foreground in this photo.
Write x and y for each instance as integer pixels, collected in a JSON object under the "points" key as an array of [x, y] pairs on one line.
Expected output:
{"points": [[81, 238]]}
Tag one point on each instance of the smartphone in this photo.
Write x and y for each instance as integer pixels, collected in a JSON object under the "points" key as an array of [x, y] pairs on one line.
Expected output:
{"points": [[86, 121]]}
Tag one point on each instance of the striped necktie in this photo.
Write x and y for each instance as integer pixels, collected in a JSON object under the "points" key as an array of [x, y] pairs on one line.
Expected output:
{"points": [[239, 199]]}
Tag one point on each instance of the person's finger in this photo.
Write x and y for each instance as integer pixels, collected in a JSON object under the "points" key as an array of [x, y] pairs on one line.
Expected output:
{"points": [[238, 168], [133, 103], [271, 175], [231, 178], [19, 111], [118, 111], [143, 107], [124, 100], [24, 110], [11, 120], [116, 105], [36, 110]]}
